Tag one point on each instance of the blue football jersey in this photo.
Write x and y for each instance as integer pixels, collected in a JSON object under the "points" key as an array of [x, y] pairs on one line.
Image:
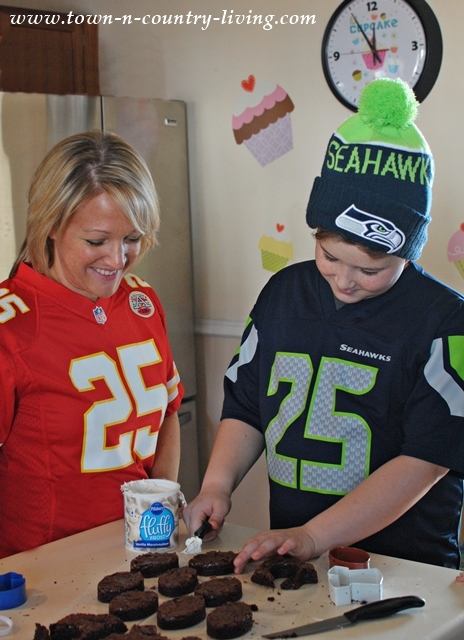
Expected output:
{"points": [[338, 393]]}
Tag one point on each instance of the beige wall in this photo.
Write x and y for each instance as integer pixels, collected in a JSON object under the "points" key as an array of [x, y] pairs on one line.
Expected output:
{"points": [[234, 200]]}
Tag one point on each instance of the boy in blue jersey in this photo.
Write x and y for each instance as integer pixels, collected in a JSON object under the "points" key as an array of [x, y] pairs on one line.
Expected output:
{"points": [[350, 372]]}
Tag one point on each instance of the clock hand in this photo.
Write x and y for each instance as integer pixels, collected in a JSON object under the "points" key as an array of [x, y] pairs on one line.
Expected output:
{"points": [[374, 50], [371, 46]]}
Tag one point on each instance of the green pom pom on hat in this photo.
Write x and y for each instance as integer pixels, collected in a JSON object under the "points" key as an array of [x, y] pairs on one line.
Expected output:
{"points": [[388, 102], [386, 113]]}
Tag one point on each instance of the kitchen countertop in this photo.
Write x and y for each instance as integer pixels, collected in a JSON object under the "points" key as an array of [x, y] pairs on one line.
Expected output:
{"points": [[61, 578]]}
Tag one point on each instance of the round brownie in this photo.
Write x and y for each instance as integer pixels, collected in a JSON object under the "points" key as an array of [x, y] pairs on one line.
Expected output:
{"points": [[144, 632], [134, 605], [177, 582], [86, 626], [182, 612], [139, 632], [217, 591], [230, 620], [213, 563], [116, 583], [153, 564]]}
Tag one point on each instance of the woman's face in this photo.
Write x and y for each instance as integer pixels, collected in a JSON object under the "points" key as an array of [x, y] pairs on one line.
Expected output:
{"points": [[352, 274], [96, 248]]}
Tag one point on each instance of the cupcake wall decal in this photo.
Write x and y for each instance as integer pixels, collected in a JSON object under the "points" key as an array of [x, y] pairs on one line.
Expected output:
{"points": [[276, 250], [456, 250], [261, 120]]}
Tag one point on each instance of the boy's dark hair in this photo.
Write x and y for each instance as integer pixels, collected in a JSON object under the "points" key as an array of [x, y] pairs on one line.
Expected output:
{"points": [[323, 234]]}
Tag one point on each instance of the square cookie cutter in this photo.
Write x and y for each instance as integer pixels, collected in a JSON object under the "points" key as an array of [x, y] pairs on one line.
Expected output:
{"points": [[346, 585]]}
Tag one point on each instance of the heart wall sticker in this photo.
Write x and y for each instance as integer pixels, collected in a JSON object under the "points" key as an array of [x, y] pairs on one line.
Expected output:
{"points": [[276, 249], [249, 84], [262, 120]]}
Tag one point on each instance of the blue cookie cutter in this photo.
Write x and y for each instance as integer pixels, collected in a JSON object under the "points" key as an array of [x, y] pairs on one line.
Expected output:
{"points": [[12, 590]]}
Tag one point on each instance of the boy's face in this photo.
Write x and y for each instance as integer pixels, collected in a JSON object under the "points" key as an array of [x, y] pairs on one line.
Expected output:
{"points": [[352, 274]]}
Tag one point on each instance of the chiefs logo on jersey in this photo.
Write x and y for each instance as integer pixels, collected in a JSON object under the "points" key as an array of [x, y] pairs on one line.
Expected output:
{"points": [[141, 304]]}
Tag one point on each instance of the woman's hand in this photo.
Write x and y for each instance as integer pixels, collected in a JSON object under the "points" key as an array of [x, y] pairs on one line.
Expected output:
{"points": [[296, 542]]}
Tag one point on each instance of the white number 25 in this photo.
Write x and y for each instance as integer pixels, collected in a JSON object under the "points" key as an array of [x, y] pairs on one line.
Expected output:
{"points": [[96, 454]]}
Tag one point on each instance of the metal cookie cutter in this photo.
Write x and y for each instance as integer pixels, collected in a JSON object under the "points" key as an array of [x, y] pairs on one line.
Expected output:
{"points": [[345, 585]]}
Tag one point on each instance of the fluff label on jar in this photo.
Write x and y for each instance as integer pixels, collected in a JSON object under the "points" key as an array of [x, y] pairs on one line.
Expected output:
{"points": [[151, 514]]}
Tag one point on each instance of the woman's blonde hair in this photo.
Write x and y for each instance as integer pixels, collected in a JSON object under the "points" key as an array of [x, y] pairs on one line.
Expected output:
{"points": [[75, 170]]}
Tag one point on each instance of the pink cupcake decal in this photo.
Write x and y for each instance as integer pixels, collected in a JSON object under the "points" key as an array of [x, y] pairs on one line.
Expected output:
{"points": [[456, 250], [261, 120]]}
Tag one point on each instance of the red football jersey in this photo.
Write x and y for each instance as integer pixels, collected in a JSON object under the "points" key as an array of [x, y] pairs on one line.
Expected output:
{"points": [[84, 389]]}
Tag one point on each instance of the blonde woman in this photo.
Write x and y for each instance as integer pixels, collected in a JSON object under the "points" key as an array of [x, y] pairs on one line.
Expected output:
{"points": [[88, 387]]}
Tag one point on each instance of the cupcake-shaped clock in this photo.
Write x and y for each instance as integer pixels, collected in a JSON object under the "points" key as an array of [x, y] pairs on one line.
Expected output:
{"points": [[261, 120]]}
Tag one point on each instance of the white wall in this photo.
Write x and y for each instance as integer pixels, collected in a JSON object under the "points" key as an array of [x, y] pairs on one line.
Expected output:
{"points": [[234, 199]]}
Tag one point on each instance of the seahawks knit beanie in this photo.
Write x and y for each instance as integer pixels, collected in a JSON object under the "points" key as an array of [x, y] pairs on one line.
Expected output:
{"points": [[375, 186]]}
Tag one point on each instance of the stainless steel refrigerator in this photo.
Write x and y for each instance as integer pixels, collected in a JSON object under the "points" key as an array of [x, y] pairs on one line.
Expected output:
{"points": [[32, 123]]}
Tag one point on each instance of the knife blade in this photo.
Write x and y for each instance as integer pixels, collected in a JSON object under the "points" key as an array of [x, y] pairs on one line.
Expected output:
{"points": [[370, 611], [193, 544]]}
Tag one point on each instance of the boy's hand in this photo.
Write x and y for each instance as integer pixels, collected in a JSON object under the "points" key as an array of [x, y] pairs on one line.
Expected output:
{"points": [[296, 542], [207, 506]]}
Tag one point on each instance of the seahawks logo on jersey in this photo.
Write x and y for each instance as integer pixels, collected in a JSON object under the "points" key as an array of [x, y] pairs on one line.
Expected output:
{"points": [[371, 227]]}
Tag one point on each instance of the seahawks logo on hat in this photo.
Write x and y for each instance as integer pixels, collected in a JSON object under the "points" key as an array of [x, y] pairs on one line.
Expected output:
{"points": [[371, 227]]}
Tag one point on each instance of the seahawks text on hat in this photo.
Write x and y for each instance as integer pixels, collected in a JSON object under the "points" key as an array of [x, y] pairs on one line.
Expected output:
{"points": [[379, 161]]}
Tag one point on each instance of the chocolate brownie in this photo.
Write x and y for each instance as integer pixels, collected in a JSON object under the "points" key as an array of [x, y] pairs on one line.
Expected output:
{"points": [[145, 632], [263, 576], [134, 605], [217, 591], [116, 583], [86, 626], [213, 563], [41, 632], [154, 563], [230, 620], [139, 632], [295, 571], [177, 582], [182, 612], [306, 574]]}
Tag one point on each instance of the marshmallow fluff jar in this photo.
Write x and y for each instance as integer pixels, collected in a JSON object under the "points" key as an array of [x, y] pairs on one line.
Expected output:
{"points": [[151, 514]]}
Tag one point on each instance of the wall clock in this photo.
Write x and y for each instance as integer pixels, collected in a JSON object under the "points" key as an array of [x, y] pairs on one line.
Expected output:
{"points": [[381, 39]]}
